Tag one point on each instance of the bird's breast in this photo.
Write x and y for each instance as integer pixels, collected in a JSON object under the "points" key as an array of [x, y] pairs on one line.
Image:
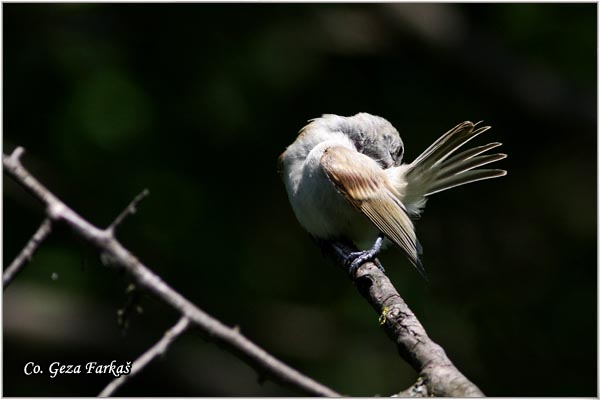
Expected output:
{"points": [[318, 206]]}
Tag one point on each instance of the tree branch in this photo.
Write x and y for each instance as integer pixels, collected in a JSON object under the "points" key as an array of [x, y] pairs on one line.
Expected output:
{"points": [[104, 240], [25, 255], [157, 350], [437, 375], [129, 210]]}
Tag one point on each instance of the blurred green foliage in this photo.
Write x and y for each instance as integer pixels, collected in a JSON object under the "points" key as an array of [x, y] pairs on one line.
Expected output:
{"points": [[196, 102]]}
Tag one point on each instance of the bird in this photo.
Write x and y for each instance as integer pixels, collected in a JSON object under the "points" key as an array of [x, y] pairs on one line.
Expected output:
{"points": [[346, 182]]}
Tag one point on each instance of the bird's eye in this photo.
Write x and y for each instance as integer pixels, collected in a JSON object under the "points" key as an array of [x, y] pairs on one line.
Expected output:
{"points": [[398, 156]]}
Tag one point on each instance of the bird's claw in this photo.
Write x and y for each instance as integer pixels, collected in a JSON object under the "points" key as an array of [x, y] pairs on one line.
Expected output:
{"points": [[358, 258]]}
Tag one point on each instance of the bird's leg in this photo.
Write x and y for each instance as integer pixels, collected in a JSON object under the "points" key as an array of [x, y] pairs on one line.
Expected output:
{"points": [[357, 258], [340, 251], [345, 254]]}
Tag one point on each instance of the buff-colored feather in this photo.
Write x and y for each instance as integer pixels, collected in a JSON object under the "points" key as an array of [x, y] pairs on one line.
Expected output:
{"points": [[365, 185]]}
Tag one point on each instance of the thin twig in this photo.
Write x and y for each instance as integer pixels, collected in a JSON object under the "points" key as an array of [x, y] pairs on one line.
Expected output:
{"points": [[153, 352], [104, 240], [27, 253], [129, 210], [17, 153]]}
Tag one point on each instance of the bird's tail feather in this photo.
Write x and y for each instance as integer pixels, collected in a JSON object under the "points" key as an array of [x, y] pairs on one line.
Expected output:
{"points": [[435, 170]]}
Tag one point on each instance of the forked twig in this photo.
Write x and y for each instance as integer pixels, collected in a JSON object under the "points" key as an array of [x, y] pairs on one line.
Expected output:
{"points": [[104, 240]]}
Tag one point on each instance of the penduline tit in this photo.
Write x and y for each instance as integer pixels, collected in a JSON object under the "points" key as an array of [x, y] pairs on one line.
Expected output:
{"points": [[346, 182]]}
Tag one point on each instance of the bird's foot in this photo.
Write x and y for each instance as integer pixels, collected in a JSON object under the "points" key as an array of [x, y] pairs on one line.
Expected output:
{"points": [[358, 258]]}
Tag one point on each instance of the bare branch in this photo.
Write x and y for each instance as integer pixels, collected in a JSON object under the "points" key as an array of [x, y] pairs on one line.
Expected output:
{"points": [[157, 350], [25, 255], [17, 153], [129, 210], [103, 239], [437, 375]]}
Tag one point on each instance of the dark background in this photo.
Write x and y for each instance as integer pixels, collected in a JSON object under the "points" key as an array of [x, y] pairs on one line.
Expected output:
{"points": [[196, 101]]}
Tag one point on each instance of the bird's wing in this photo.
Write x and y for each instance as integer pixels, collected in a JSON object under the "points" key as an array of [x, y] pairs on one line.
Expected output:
{"points": [[365, 185]]}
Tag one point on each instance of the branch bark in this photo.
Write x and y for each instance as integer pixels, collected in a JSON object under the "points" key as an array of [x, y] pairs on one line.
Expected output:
{"points": [[104, 240], [437, 375]]}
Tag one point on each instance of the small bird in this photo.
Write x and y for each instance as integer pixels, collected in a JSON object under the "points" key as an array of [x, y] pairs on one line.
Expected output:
{"points": [[346, 182]]}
